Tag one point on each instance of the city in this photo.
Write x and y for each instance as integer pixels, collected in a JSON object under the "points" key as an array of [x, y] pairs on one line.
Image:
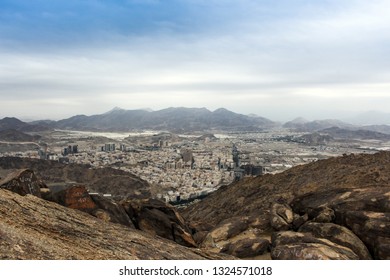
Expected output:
{"points": [[182, 168]]}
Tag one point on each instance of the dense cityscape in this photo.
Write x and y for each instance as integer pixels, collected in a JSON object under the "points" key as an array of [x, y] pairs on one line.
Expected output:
{"points": [[186, 167]]}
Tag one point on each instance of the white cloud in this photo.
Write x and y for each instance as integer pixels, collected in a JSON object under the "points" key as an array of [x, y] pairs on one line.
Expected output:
{"points": [[282, 66]]}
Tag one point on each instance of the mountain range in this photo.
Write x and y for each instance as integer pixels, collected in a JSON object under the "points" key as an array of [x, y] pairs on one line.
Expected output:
{"points": [[178, 120], [172, 119]]}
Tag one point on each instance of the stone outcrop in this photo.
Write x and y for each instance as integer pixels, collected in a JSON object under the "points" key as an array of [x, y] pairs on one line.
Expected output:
{"points": [[365, 211], [36, 229], [351, 192], [22, 181], [246, 248], [339, 235], [373, 228], [290, 245], [229, 228], [110, 211], [158, 218], [282, 216], [77, 197]]}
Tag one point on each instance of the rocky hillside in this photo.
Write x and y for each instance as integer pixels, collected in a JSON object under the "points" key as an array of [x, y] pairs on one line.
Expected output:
{"points": [[344, 194], [56, 175], [33, 228], [16, 124], [342, 133], [13, 135], [337, 208]]}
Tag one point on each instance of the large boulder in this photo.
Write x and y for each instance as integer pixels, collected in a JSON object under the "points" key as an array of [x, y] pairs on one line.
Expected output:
{"points": [[75, 197], [23, 182], [282, 216], [373, 229], [365, 211], [290, 245], [308, 251], [159, 218], [339, 235], [229, 228], [246, 248], [110, 211]]}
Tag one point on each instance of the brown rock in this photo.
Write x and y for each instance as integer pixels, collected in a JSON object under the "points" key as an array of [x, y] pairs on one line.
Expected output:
{"points": [[199, 236], [246, 248], [299, 220], [229, 228], [76, 197], [373, 229], [35, 229], [365, 211], [339, 235], [208, 242], [110, 211], [357, 182], [282, 216], [289, 245], [158, 218], [323, 215], [256, 195], [306, 251], [23, 182], [382, 248]]}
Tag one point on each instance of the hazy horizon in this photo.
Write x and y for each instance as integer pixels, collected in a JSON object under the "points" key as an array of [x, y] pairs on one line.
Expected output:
{"points": [[363, 118], [280, 60]]}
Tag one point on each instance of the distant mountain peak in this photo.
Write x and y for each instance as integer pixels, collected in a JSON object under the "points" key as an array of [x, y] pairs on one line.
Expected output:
{"points": [[147, 110], [115, 109], [299, 120], [221, 110]]}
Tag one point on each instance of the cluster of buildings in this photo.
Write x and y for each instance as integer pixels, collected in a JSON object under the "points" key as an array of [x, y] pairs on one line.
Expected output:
{"points": [[70, 150], [110, 147], [184, 168], [180, 170]]}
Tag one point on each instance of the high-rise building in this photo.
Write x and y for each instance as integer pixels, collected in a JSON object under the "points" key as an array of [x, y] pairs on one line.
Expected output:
{"points": [[108, 147], [236, 155], [187, 155]]}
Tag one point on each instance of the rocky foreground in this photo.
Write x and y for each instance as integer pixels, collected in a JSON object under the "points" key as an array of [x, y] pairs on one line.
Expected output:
{"points": [[33, 228], [337, 208]]}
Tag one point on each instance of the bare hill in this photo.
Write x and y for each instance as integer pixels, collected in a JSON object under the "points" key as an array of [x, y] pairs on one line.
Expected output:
{"points": [[119, 183], [349, 187], [35, 229], [13, 135]]}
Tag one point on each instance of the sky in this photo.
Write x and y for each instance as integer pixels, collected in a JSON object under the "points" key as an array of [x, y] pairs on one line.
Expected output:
{"points": [[278, 59]]}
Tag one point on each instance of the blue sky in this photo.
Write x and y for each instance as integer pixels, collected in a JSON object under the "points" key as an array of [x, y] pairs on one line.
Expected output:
{"points": [[278, 59]]}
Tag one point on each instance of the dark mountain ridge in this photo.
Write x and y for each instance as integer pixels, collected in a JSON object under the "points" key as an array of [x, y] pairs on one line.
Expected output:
{"points": [[171, 119], [342, 133], [302, 125], [16, 124], [177, 119], [12, 135]]}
